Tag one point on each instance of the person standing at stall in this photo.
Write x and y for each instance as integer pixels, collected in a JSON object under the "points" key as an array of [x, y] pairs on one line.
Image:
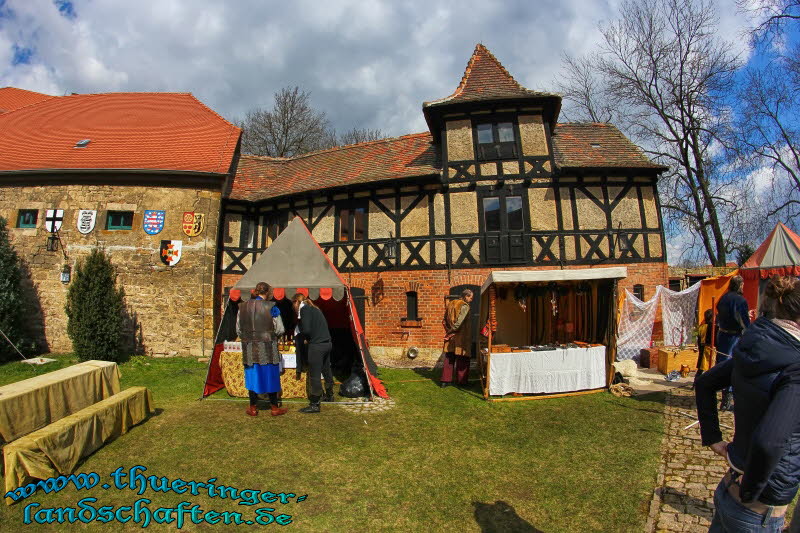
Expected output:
{"points": [[259, 325], [764, 456], [457, 339], [314, 329], [732, 319]]}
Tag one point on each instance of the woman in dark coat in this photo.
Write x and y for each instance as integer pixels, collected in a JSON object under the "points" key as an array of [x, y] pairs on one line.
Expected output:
{"points": [[764, 455], [259, 325]]}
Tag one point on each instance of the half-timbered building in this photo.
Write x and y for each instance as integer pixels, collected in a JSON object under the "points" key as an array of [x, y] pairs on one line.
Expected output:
{"points": [[496, 183]]}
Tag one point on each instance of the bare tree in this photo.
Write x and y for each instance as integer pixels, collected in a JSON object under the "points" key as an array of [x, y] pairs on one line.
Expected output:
{"points": [[357, 135], [583, 87], [771, 16], [290, 128], [662, 65], [767, 135]]}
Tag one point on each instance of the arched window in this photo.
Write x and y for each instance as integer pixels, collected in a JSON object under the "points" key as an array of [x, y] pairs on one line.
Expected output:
{"points": [[412, 309]]}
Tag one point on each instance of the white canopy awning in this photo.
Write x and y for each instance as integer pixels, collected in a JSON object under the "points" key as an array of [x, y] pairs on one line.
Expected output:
{"points": [[532, 276]]}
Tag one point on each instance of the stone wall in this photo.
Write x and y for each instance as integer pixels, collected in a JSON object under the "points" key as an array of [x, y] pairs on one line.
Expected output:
{"points": [[172, 307]]}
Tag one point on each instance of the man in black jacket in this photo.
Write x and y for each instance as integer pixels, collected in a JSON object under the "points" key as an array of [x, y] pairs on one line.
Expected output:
{"points": [[764, 456], [732, 319], [314, 328]]}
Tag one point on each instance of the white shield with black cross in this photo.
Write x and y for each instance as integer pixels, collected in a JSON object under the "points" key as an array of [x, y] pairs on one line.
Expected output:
{"points": [[53, 219]]}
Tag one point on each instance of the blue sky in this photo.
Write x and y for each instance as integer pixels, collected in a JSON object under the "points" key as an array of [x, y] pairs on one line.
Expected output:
{"points": [[367, 64]]}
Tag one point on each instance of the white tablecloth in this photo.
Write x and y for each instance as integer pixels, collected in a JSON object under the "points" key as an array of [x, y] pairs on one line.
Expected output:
{"points": [[559, 370]]}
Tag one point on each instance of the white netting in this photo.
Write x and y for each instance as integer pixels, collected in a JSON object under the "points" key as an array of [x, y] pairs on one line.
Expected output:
{"points": [[636, 325], [679, 314]]}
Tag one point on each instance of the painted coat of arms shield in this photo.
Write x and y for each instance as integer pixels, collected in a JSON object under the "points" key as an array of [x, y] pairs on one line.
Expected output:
{"points": [[171, 252], [153, 221], [193, 223], [86, 220]]}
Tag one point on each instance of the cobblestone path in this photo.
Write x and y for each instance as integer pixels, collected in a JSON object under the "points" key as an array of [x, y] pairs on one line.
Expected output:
{"points": [[689, 472]]}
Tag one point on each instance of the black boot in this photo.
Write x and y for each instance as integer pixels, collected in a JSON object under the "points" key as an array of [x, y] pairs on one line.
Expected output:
{"points": [[727, 401], [329, 397], [313, 407]]}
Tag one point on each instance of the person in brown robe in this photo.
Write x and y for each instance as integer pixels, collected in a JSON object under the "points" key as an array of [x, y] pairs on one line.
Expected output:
{"points": [[457, 339]]}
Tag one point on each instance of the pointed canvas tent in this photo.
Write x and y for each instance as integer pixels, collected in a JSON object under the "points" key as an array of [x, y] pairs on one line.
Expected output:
{"points": [[294, 262], [779, 255]]}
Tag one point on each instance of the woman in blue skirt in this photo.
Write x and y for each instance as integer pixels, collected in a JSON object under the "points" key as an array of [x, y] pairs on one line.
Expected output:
{"points": [[259, 325]]}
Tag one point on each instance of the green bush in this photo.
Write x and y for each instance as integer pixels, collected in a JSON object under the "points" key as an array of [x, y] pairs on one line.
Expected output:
{"points": [[12, 302], [95, 308]]}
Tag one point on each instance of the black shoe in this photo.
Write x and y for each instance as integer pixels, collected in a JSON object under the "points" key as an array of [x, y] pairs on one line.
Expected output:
{"points": [[329, 397], [443, 384], [313, 407]]}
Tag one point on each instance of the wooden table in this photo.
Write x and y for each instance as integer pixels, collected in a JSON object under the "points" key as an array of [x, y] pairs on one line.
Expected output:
{"points": [[34, 403]]}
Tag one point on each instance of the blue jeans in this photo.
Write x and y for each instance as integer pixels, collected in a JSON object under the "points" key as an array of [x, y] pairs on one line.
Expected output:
{"points": [[732, 517], [725, 344]]}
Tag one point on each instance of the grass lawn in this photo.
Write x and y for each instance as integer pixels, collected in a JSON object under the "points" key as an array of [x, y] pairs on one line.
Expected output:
{"points": [[440, 460]]}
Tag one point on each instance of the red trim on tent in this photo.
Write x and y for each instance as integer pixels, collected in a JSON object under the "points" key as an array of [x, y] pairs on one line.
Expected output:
{"points": [[279, 293], [326, 293], [304, 292], [214, 380], [766, 273]]}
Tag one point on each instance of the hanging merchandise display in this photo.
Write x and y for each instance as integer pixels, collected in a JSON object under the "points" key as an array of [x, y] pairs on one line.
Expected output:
{"points": [[636, 324], [679, 314]]}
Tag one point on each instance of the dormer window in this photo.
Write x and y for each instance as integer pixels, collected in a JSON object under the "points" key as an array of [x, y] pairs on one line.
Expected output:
{"points": [[496, 140]]}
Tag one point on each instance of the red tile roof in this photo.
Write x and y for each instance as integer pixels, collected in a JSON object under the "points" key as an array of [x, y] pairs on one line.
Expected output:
{"points": [[486, 79], [596, 145], [259, 178], [130, 131], [12, 98]]}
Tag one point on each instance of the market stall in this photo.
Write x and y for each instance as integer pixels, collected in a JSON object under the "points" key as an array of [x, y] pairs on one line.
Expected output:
{"points": [[548, 332], [294, 263]]}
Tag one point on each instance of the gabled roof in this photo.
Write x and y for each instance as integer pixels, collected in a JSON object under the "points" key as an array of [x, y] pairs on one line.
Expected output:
{"points": [[12, 98], [486, 79], [587, 145], [126, 131], [259, 178]]}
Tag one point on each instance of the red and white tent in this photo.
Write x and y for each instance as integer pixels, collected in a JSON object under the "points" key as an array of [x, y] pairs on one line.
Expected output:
{"points": [[293, 263], [779, 255]]}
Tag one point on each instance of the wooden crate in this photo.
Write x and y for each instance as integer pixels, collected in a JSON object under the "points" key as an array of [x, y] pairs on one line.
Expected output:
{"points": [[670, 359]]}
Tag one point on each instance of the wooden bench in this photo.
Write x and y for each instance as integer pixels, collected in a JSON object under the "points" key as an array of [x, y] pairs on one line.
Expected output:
{"points": [[56, 449]]}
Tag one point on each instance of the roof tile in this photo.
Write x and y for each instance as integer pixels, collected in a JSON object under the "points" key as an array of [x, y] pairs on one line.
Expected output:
{"points": [[131, 131], [12, 98], [259, 178], [485, 78]]}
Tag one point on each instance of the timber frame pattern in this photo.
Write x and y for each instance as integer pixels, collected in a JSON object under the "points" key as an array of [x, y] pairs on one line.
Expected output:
{"points": [[594, 247], [587, 195]]}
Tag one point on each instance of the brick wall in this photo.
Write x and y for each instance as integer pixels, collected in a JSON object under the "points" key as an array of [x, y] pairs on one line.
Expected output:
{"points": [[389, 340]]}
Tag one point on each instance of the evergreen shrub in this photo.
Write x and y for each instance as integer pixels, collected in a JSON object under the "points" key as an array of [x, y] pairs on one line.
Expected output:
{"points": [[95, 310]]}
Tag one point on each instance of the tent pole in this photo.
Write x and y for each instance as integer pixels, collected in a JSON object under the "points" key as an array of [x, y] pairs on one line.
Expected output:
{"points": [[211, 359]]}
